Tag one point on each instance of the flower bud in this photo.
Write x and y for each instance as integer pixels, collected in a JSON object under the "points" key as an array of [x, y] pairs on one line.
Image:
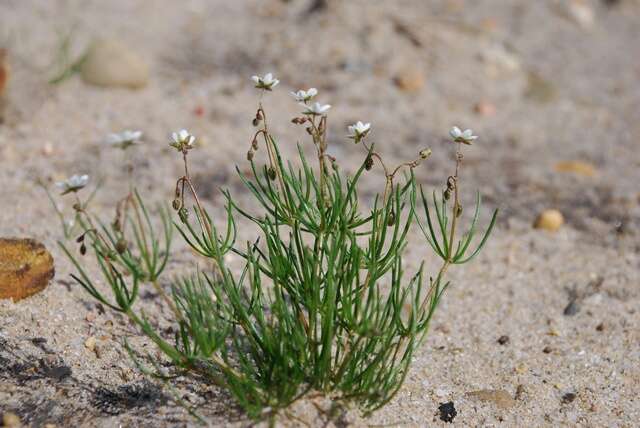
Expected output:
{"points": [[183, 214]]}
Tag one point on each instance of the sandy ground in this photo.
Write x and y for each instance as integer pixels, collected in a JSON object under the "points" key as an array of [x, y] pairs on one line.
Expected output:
{"points": [[563, 88]]}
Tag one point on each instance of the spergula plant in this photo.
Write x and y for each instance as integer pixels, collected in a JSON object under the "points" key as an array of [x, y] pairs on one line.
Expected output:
{"points": [[323, 303]]}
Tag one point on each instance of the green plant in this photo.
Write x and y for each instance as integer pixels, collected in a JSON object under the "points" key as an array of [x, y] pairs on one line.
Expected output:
{"points": [[323, 303]]}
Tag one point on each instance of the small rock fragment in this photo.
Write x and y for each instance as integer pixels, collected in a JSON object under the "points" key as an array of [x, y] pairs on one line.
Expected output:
{"points": [[90, 343], [520, 391], [550, 220], [503, 340], [547, 349], [110, 63], [600, 327], [572, 308], [581, 13], [485, 108], [26, 267], [568, 397], [447, 411], [10, 419], [409, 80], [499, 60], [4, 70], [585, 169], [499, 397]]}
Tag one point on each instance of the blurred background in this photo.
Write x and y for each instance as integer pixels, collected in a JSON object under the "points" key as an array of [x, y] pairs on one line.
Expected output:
{"points": [[550, 86]]}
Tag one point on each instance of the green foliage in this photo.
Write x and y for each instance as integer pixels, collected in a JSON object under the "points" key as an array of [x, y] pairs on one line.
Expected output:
{"points": [[322, 302]]}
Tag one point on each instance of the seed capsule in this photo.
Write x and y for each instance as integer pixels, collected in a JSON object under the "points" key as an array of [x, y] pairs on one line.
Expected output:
{"points": [[368, 163], [391, 219], [446, 194], [459, 210], [83, 249], [255, 122], [250, 155], [272, 173], [121, 246], [176, 204]]}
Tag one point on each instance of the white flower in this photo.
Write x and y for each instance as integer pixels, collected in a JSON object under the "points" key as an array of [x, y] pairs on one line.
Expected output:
{"points": [[304, 96], [358, 130], [73, 183], [268, 82], [124, 139], [182, 140], [315, 109], [465, 136]]}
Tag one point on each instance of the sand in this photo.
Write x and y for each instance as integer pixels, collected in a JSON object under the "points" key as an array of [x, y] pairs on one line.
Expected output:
{"points": [[563, 87]]}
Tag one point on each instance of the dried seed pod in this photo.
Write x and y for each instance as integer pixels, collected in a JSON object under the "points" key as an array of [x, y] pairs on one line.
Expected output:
{"points": [[254, 144], [77, 207], [368, 163], [121, 245], [271, 172], [391, 219], [80, 238], [451, 183], [176, 204], [255, 122], [459, 210], [83, 249], [250, 155], [446, 194]]}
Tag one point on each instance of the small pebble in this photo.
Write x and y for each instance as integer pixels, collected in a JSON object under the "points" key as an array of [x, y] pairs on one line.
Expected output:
{"points": [[90, 343], [600, 327], [409, 80], [503, 340], [568, 397], [550, 220], [547, 349], [485, 108], [47, 149], [110, 63], [581, 13], [4, 70], [447, 411], [571, 309], [10, 419]]}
